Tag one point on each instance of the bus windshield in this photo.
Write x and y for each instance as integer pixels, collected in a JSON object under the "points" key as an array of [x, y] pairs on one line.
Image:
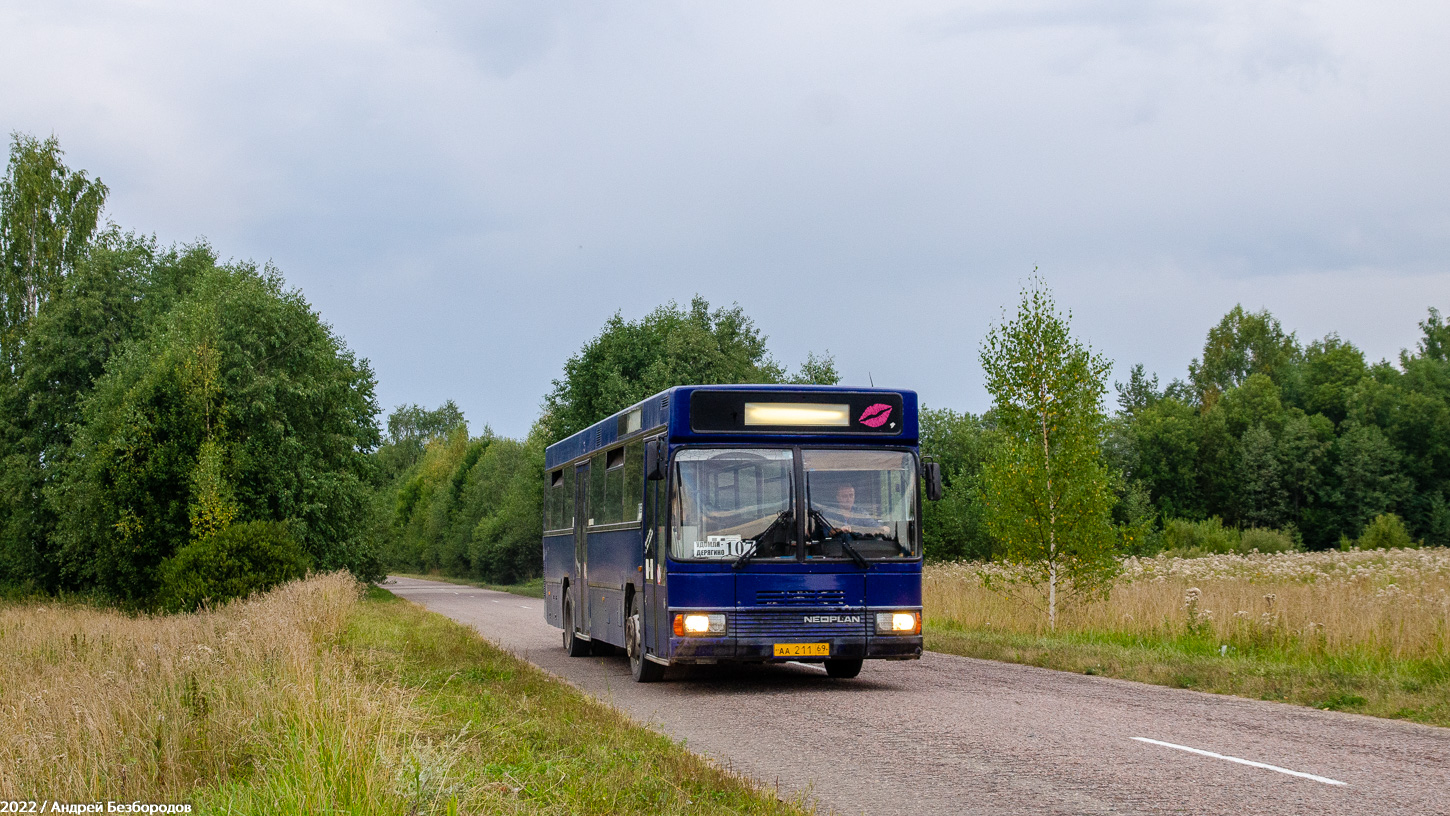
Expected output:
{"points": [[731, 503], [862, 504], [739, 503]]}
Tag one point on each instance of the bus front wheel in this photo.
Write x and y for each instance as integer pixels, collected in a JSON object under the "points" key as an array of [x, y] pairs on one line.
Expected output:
{"points": [[844, 669], [573, 646], [643, 669]]}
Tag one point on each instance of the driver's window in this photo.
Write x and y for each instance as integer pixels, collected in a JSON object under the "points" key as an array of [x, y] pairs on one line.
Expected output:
{"points": [[862, 503]]}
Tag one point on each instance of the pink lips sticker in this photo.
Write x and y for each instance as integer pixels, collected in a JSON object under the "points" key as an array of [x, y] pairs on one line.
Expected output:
{"points": [[875, 415]]}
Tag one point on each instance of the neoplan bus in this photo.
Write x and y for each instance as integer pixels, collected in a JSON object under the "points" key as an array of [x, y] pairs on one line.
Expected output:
{"points": [[748, 523]]}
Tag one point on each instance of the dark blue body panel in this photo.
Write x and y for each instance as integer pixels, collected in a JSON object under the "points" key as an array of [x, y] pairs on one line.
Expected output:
{"points": [[772, 586], [831, 602], [558, 562]]}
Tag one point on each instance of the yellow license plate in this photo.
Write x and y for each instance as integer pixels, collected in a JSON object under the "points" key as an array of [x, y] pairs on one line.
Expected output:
{"points": [[802, 650]]}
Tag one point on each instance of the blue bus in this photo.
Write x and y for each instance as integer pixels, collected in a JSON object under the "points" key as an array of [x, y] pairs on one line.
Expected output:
{"points": [[740, 523]]}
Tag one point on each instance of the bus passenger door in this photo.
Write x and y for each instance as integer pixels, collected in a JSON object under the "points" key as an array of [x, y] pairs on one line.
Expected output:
{"points": [[654, 610], [579, 591]]}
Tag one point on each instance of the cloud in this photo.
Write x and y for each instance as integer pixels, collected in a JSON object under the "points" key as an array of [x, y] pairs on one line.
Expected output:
{"points": [[467, 190]]}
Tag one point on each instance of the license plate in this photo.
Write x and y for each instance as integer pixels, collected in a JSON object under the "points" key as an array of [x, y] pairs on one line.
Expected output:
{"points": [[802, 650]]}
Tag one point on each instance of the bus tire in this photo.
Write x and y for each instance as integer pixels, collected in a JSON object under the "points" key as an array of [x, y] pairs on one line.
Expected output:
{"points": [[573, 646], [845, 668], [643, 669]]}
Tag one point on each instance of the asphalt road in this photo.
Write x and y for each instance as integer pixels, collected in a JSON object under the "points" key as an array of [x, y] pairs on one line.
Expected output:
{"points": [[953, 735]]}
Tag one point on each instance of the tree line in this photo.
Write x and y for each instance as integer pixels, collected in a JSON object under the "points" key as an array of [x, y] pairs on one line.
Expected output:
{"points": [[469, 506], [1267, 442], [172, 428]]}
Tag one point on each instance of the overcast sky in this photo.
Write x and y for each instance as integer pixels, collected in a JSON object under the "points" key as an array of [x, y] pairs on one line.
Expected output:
{"points": [[468, 190]]}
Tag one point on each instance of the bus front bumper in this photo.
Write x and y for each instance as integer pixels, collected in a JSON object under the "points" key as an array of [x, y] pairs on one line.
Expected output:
{"points": [[758, 650]]}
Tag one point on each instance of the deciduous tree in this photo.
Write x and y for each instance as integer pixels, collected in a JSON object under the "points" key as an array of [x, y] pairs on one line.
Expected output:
{"points": [[48, 215], [1047, 496], [630, 360], [1243, 343], [410, 429]]}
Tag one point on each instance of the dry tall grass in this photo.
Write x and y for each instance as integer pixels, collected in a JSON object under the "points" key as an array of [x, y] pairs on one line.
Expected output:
{"points": [[1378, 603], [97, 704]]}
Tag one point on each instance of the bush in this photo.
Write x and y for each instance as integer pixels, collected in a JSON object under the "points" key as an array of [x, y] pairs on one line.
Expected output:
{"points": [[1200, 537], [1384, 532], [1194, 538], [1266, 541], [241, 559]]}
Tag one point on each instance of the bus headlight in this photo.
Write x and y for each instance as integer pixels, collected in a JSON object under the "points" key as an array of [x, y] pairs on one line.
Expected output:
{"points": [[898, 623], [699, 624]]}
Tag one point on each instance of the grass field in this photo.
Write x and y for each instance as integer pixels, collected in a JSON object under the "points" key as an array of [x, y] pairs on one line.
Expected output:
{"points": [[318, 698], [1363, 631]]}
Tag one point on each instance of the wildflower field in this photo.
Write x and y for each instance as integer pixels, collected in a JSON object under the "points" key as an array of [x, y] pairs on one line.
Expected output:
{"points": [[1365, 631], [316, 697]]}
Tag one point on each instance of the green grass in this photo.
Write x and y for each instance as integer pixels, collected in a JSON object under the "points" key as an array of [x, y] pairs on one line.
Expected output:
{"points": [[533, 588], [497, 735], [1417, 690]]}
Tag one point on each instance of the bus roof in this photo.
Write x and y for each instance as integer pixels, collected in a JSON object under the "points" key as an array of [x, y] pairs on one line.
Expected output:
{"points": [[786, 414]]}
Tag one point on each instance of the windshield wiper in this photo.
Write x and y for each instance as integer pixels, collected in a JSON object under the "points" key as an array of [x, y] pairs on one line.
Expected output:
{"points": [[829, 533], [851, 551], [746, 556], [785, 517], [822, 526]]}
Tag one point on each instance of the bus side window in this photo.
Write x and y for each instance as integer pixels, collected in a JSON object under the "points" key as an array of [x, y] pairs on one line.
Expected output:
{"points": [[613, 507], [558, 498]]}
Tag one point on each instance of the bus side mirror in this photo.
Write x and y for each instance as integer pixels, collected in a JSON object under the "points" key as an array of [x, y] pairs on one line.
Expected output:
{"points": [[932, 472], [654, 459]]}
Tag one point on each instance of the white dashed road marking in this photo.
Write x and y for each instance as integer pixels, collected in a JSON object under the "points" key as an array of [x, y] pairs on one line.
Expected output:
{"points": [[1326, 780]]}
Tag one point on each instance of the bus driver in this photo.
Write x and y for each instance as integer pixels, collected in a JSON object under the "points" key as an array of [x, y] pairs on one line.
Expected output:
{"points": [[849, 520]]}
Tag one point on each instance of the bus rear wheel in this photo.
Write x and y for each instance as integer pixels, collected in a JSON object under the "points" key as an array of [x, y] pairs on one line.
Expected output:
{"points": [[573, 645], [643, 669], [844, 669]]}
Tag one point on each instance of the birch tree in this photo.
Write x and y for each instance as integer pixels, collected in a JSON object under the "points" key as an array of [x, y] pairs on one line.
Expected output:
{"points": [[1045, 491], [48, 216]]}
